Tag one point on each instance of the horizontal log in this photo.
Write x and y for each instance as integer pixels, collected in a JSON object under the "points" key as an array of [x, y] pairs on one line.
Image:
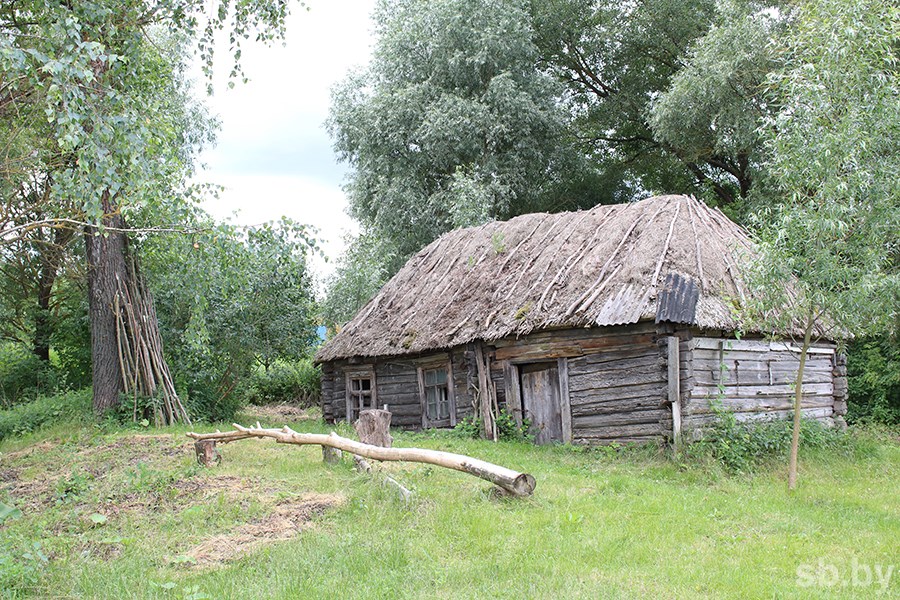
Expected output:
{"points": [[618, 406], [594, 362], [758, 377], [517, 484], [777, 363], [600, 381], [700, 420], [705, 343], [760, 404], [566, 348], [586, 396], [760, 390], [617, 432], [635, 417]]}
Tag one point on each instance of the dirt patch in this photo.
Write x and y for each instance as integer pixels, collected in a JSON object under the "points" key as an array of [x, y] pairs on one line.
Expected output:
{"points": [[288, 519], [283, 413]]}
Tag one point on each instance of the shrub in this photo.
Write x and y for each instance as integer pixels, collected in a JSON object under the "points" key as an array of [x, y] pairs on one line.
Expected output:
{"points": [[743, 446], [23, 376], [507, 428], [45, 410], [873, 369], [297, 383]]}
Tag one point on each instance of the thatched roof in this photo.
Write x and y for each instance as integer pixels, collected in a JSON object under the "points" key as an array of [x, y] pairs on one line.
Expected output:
{"points": [[610, 265]]}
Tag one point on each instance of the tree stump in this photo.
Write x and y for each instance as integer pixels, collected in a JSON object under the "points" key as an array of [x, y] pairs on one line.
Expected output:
{"points": [[331, 456], [374, 427], [207, 455]]}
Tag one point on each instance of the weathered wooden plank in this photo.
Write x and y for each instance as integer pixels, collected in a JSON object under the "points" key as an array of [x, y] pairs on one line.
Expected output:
{"points": [[620, 432], [656, 390], [578, 333], [599, 381], [707, 343], [674, 388], [760, 390], [568, 348], [743, 377], [564, 400], [760, 404], [615, 420], [617, 406], [780, 363], [700, 420], [591, 362], [512, 392]]}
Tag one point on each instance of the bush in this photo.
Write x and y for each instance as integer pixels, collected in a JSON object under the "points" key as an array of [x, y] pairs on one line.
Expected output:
{"points": [[873, 369], [45, 410], [24, 376], [507, 428], [743, 446], [297, 383]]}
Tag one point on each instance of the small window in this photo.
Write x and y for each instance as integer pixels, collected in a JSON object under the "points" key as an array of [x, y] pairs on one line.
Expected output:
{"points": [[360, 393], [437, 396]]}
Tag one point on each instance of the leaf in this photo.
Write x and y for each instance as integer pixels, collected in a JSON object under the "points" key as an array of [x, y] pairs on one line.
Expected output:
{"points": [[9, 512], [98, 519]]}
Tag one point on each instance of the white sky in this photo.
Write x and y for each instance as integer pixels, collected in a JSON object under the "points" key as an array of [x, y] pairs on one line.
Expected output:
{"points": [[273, 155]]}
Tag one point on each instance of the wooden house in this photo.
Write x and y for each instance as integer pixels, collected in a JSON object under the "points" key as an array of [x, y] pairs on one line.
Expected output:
{"points": [[612, 324]]}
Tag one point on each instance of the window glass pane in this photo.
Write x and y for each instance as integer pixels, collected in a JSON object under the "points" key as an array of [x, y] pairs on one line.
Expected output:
{"points": [[354, 385], [429, 377], [366, 384], [440, 376], [444, 404], [431, 403]]}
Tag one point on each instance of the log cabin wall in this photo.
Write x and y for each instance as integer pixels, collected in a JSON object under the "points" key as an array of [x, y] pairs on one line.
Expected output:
{"points": [[616, 379], [396, 385], [755, 378]]}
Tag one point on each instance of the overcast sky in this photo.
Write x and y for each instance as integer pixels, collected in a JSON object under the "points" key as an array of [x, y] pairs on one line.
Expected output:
{"points": [[273, 155]]}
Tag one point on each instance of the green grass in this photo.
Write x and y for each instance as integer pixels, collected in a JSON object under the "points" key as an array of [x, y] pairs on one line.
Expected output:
{"points": [[601, 524]]}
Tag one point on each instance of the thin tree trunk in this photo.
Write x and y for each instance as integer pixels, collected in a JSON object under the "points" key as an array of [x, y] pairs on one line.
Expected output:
{"points": [[106, 265], [798, 400], [51, 257]]}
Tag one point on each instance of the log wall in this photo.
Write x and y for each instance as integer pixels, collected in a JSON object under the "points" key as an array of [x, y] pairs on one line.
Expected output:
{"points": [[755, 379], [397, 386], [618, 394]]}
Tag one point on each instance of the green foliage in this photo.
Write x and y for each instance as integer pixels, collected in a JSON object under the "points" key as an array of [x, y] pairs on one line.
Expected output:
{"points": [[829, 247], [873, 369], [23, 376], [746, 446], [45, 410], [507, 428], [22, 564], [452, 124], [291, 382], [230, 301], [366, 264]]}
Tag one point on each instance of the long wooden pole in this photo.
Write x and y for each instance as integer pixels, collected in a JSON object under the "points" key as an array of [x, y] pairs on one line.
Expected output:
{"points": [[517, 484]]}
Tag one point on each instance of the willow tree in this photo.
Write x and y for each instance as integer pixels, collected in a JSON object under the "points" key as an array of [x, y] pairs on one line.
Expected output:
{"points": [[830, 249], [108, 76]]}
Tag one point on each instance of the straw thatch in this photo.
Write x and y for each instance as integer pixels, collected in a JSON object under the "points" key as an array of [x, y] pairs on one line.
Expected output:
{"points": [[604, 266]]}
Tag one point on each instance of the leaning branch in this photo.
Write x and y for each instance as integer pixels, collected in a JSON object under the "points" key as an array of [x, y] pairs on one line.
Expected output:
{"points": [[517, 484]]}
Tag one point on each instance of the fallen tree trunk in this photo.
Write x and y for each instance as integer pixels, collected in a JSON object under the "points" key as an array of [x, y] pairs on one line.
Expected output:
{"points": [[517, 484]]}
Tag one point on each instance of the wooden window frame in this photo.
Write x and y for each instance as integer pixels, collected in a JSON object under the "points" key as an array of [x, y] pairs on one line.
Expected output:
{"points": [[429, 365], [349, 395]]}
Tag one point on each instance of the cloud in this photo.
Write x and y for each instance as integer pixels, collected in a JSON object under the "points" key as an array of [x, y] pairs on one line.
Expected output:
{"points": [[273, 154]]}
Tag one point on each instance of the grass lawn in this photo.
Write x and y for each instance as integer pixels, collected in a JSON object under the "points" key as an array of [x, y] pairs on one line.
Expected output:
{"points": [[130, 514]]}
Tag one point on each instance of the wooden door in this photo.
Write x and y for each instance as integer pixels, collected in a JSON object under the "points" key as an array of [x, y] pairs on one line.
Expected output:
{"points": [[541, 401]]}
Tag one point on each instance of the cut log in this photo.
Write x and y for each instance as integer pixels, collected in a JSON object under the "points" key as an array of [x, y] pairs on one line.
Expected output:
{"points": [[518, 484], [374, 427], [207, 455], [331, 456]]}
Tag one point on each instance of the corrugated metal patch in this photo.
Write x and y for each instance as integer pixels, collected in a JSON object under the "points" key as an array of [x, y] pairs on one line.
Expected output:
{"points": [[677, 302]]}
